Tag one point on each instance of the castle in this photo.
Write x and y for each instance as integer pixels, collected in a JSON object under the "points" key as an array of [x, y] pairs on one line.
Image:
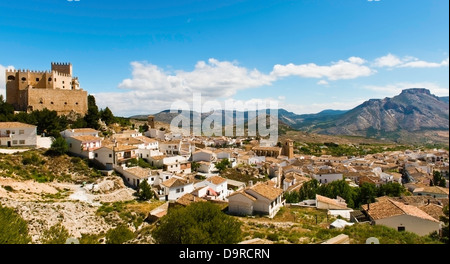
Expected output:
{"points": [[55, 90]]}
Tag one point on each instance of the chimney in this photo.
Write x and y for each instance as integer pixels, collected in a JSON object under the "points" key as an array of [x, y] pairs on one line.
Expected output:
{"points": [[250, 183]]}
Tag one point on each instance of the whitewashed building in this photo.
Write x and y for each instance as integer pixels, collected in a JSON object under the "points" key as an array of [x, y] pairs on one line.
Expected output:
{"points": [[15, 134]]}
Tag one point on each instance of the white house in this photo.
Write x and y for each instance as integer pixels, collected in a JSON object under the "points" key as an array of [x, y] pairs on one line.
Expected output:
{"points": [[174, 188], [401, 217], [84, 146], [329, 177], [170, 148], [136, 175], [323, 202], [15, 134], [260, 198], [155, 133], [177, 164], [216, 188], [206, 167], [204, 155], [79, 132], [104, 156]]}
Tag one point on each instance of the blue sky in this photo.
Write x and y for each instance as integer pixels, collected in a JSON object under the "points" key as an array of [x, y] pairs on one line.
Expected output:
{"points": [[138, 57]]}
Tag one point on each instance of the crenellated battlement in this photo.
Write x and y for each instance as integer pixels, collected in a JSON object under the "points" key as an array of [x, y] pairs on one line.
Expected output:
{"points": [[61, 63], [26, 71]]}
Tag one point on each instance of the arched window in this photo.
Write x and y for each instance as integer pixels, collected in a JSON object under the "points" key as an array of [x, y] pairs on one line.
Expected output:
{"points": [[11, 78], [50, 79], [24, 79]]}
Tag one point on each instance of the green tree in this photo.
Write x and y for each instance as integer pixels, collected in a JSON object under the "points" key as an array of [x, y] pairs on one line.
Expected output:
{"points": [[368, 193], [341, 189], [56, 234], [392, 189], [107, 116], [6, 110], [119, 235], [93, 114], [292, 197], [308, 190], [59, 147], [195, 166], [198, 223], [222, 165], [438, 180], [144, 192], [444, 219], [13, 229]]}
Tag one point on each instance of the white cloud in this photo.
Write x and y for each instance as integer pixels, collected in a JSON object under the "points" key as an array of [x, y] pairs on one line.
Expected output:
{"points": [[392, 61], [387, 61], [349, 69], [396, 88], [2, 79], [281, 97], [322, 82]]}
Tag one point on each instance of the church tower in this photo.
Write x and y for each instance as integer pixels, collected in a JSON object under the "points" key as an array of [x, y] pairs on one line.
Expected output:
{"points": [[288, 149]]}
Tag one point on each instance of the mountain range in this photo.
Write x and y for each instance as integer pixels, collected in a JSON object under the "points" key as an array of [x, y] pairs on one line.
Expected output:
{"points": [[413, 113]]}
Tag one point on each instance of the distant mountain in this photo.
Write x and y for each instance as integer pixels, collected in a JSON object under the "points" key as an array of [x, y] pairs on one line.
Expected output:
{"points": [[413, 115], [444, 99]]}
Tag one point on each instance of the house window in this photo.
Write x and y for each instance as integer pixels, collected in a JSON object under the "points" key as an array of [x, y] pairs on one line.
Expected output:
{"points": [[13, 132], [22, 142], [182, 189], [152, 179], [14, 142], [110, 155], [401, 228], [96, 155], [167, 177], [178, 190], [21, 132], [63, 82], [70, 145]]}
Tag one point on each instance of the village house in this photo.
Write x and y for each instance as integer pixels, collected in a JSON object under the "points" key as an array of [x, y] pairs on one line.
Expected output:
{"points": [[170, 148], [174, 188], [401, 217], [213, 188], [262, 198], [79, 132], [84, 146], [15, 134], [204, 155], [433, 191], [176, 164], [136, 175]]}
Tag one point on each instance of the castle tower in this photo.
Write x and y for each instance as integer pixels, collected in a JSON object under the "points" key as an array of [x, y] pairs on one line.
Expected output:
{"points": [[288, 149], [65, 68], [151, 121]]}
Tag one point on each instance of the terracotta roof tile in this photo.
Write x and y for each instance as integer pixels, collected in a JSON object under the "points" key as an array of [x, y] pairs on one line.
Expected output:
{"points": [[15, 125], [267, 191], [216, 180], [87, 138]]}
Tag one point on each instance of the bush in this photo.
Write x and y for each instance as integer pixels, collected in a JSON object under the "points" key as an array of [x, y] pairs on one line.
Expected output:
{"points": [[13, 229], [8, 188], [144, 192], [59, 147], [198, 223], [31, 158], [119, 235], [273, 237], [56, 234]]}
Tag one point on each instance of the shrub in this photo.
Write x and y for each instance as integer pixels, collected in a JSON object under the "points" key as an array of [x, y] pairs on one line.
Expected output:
{"points": [[56, 234], [198, 223], [273, 237], [119, 235], [13, 229], [8, 188]]}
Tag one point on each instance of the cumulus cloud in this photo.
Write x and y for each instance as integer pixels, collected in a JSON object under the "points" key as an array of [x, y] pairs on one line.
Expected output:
{"points": [[2, 79], [351, 68], [392, 61], [396, 88], [387, 61], [322, 82]]}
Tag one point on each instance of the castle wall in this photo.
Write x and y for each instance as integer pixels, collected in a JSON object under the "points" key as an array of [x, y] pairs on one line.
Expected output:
{"points": [[56, 90], [61, 101]]}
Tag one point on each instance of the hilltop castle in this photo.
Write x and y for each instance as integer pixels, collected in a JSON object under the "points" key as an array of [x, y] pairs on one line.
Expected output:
{"points": [[55, 90]]}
